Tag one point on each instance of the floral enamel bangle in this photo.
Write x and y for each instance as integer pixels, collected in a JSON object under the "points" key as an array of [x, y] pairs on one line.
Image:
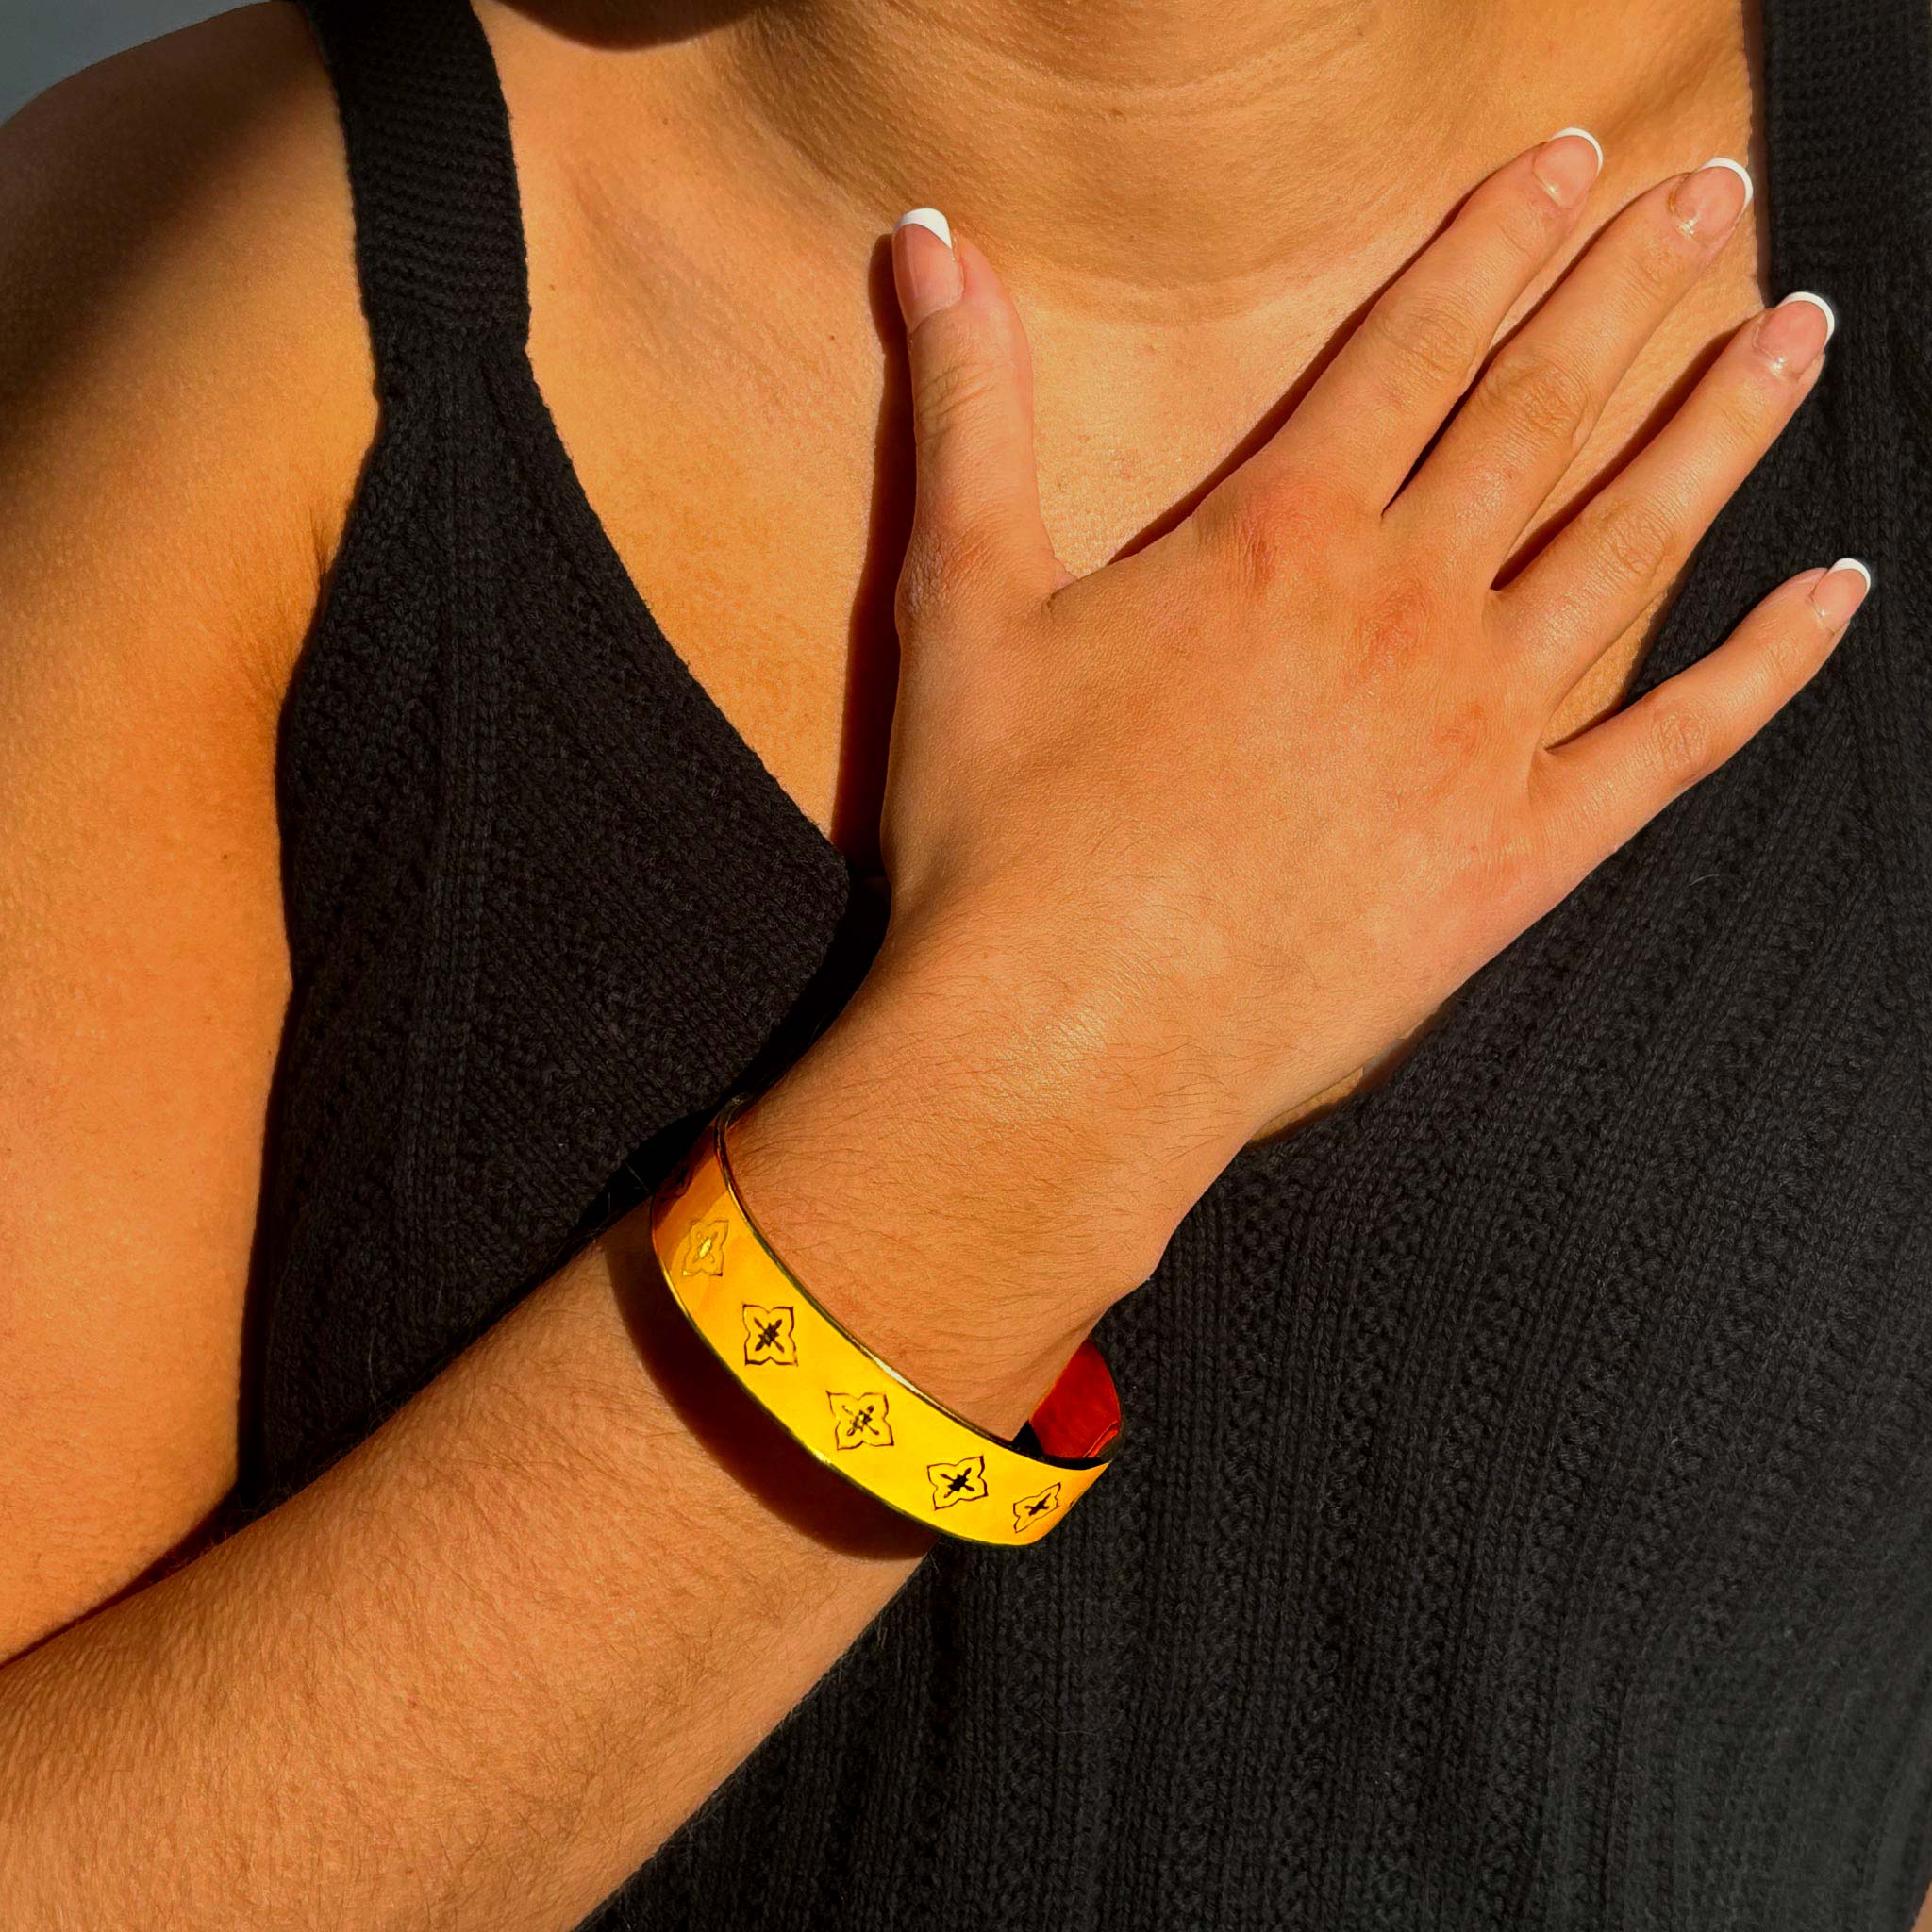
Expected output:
{"points": [[853, 1412]]}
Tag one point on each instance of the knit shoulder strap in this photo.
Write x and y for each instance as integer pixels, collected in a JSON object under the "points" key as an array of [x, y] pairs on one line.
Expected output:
{"points": [[439, 227]]}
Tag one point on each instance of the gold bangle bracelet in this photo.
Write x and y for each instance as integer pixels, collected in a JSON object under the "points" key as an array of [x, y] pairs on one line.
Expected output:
{"points": [[853, 1411]]}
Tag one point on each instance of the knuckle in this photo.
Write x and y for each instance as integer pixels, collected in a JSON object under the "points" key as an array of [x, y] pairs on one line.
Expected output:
{"points": [[1462, 743], [948, 389], [1519, 864], [1393, 625], [1424, 342], [1633, 537], [1683, 744], [1253, 543], [1549, 400], [1742, 414], [1654, 262], [1263, 534], [1491, 873], [920, 591], [1501, 865], [1528, 221], [945, 571], [1794, 648]]}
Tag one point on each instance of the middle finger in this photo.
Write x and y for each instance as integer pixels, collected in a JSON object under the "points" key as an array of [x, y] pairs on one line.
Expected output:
{"points": [[1530, 415]]}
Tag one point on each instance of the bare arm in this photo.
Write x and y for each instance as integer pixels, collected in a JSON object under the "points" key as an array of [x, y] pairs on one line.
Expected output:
{"points": [[479, 1670], [476, 1672], [154, 584]]}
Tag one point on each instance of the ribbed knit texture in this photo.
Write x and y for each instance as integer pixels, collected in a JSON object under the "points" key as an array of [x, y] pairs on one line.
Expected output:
{"points": [[1526, 1516]]}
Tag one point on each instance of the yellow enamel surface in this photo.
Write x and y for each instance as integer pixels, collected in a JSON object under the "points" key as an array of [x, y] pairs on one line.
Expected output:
{"points": [[845, 1405]]}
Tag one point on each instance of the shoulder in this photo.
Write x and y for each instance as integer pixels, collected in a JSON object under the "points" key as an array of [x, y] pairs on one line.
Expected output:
{"points": [[186, 394], [183, 363]]}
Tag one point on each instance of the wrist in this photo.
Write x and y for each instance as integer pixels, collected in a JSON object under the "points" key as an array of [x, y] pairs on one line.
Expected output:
{"points": [[968, 1228]]}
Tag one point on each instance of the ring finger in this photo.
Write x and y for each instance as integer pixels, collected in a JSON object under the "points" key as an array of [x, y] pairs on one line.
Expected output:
{"points": [[1600, 571]]}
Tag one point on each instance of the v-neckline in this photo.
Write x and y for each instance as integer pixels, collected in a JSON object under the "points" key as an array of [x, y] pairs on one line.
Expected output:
{"points": [[627, 606]]}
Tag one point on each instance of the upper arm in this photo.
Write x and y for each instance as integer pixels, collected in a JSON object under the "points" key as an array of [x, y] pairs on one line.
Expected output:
{"points": [[183, 398]]}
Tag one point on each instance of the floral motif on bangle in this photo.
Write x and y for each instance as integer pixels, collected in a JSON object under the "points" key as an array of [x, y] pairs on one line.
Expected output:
{"points": [[704, 1247], [768, 1339], [958, 1482], [1041, 1504], [859, 1421]]}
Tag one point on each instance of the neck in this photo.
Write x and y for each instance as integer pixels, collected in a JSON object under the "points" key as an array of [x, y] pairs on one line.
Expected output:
{"points": [[1166, 159]]}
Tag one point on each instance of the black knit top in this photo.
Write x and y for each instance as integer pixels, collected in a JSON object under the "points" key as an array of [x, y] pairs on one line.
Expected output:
{"points": [[1527, 1510]]}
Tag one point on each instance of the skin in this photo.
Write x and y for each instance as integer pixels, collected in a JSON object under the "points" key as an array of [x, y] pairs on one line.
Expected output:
{"points": [[184, 359]]}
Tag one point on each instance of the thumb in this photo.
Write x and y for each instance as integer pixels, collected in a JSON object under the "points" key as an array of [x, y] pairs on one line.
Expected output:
{"points": [[977, 511]]}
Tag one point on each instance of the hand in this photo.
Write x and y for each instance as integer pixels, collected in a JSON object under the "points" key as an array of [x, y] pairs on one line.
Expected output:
{"points": [[1229, 815]]}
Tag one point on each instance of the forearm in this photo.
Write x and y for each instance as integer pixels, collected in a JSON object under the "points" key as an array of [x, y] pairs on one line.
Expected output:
{"points": [[478, 1671]]}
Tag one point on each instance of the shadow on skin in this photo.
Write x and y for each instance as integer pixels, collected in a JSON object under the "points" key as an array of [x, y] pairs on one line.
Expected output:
{"points": [[624, 24]]}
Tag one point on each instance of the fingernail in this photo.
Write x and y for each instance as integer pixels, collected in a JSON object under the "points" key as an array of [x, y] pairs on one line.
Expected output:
{"points": [[1567, 162], [1795, 333], [927, 271], [1839, 592], [1709, 201]]}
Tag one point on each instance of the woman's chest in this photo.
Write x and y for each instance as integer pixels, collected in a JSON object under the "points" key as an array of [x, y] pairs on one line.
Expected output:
{"points": [[749, 454], [761, 509]]}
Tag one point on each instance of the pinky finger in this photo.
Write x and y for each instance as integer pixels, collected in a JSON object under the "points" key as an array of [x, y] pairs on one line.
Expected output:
{"points": [[1597, 789]]}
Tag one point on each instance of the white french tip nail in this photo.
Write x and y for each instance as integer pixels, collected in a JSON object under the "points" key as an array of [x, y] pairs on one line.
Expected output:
{"points": [[929, 219], [1587, 135], [1738, 168], [1857, 563], [1830, 314]]}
